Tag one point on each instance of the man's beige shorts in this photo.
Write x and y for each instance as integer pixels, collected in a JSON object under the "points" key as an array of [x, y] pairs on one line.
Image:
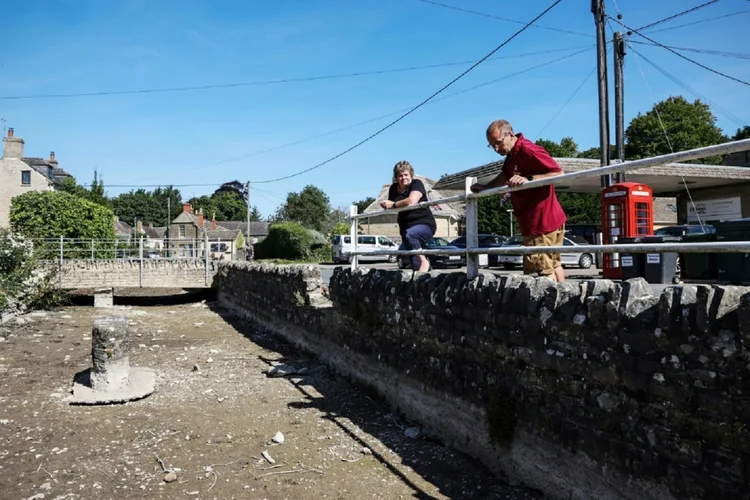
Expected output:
{"points": [[543, 263]]}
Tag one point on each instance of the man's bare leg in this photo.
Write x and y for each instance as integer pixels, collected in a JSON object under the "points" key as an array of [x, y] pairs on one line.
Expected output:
{"points": [[559, 274]]}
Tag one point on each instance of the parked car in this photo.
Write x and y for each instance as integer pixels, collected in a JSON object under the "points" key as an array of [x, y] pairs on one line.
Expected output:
{"points": [[404, 261], [682, 230], [583, 260], [485, 241], [341, 247], [153, 254]]}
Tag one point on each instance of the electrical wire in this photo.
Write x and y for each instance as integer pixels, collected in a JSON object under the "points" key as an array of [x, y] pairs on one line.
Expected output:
{"points": [[499, 18], [736, 55], [591, 73], [700, 21], [728, 114], [664, 129], [679, 14], [680, 55], [273, 82], [281, 146], [412, 110], [370, 120]]}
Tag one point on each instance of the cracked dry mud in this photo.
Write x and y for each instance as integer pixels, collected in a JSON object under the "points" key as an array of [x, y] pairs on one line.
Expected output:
{"points": [[203, 432]]}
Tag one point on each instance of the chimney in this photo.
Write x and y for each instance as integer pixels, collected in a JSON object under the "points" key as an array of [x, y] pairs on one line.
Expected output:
{"points": [[12, 146], [52, 160], [213, 222], [200, 218], [187, 208], [139, 227]]}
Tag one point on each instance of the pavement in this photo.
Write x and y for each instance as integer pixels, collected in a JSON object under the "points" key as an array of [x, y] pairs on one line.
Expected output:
{"points": [[573, 274]]}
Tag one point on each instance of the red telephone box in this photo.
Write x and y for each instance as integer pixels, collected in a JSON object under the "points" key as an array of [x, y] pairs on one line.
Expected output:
{"points": [[627, 212]]}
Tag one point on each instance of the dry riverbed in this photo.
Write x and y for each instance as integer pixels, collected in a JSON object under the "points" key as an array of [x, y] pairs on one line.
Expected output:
{"points": [[207, 431]]}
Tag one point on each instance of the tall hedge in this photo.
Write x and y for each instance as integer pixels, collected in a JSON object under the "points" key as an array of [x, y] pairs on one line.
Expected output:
{"points": [[52, 214], [285, 240]]}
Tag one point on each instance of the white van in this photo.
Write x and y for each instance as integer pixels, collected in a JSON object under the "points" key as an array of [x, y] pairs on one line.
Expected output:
{"points": [[341, 247]]}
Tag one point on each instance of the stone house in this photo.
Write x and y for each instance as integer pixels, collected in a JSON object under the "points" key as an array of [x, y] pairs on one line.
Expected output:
{"points": [[187, 234], [447, 216], [20, 174]]}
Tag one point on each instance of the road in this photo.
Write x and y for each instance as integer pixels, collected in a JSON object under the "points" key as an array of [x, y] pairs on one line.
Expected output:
{"points": [[573, 274]]}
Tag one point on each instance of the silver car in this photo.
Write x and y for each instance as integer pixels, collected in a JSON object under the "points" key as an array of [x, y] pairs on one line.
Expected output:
{"points": [[569, 259]]}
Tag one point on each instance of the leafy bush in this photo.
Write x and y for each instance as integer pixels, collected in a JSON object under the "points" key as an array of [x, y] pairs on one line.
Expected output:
{"points": [[52, 214], [285, 240], [22, 283]]}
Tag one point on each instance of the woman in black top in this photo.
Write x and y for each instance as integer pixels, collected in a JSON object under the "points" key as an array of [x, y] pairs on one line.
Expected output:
{"points": [[417, 226]]}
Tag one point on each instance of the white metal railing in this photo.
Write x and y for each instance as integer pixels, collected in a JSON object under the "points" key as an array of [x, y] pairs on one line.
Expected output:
{"points": [[61, 248], [473, 251]]}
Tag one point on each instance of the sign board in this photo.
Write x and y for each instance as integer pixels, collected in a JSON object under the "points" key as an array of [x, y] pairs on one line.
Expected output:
{"points": [[483, 259], [653, 258], [714, 210], [627, 261], [615, 194]]}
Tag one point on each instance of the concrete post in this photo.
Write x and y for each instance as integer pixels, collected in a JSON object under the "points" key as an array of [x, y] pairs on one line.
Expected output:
{"points": [[205, 254], [110, 341], [472, 231]]}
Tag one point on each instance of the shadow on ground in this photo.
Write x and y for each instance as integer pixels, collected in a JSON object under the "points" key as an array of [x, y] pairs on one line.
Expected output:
{"points": [[358, 410]]}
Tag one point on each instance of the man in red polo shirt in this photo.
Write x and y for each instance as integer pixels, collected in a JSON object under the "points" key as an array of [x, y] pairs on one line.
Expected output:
{"points": [[539, 214]]}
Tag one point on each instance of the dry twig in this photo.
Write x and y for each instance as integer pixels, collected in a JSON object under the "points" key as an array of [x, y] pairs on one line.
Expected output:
{"points": [[46, 471]]}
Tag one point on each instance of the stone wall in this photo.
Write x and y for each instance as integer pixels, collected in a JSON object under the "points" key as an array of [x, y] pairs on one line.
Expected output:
{"points": [[597, 390], [147, 273]]}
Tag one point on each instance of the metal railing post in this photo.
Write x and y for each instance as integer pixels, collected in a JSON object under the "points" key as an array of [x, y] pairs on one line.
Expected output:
{"points": [[205, 253], [354, 259], [140, 261], [60, 272], [472, 230]]}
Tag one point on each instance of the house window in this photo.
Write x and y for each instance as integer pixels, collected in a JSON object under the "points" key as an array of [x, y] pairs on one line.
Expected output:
{"points": [[26, 177], [182, 231], [49, 172]]}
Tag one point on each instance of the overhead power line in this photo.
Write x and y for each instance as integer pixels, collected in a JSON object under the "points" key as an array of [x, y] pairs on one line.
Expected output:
{"points": [[728, 114], [358, 124], [700, 21], [678, 54], [499, 18], [736, 55], [276, 81], [412, 110], [679, 14], [404, 115]]}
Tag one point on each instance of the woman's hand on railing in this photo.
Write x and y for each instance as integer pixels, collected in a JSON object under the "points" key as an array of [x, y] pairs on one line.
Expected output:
{"points": [[387, 204]]}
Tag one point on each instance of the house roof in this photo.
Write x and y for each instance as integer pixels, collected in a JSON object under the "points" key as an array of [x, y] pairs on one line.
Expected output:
{"points": [[42, 166], [123, 228], [222, 233], [441, 210], [152, 232], [663, 179], [257, 228]]}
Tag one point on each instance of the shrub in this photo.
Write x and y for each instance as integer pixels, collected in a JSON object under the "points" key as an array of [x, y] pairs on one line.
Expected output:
{"points": [[22, 283], [285, 240]]}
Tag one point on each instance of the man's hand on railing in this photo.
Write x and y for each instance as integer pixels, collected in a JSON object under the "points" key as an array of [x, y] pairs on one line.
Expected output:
{"points": [[476, 188]]}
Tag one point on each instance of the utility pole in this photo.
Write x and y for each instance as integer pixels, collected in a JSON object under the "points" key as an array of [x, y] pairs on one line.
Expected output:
{"points": [[600, 17], [619, 52]]}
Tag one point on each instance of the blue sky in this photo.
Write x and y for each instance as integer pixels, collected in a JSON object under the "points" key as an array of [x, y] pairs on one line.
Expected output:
{"points": [[189, 137]]}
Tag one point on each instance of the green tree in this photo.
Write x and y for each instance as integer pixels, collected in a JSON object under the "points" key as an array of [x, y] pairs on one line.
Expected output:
{"points": [[363, 204], [493, 216], [595, 153], [166, 198], [230, 205], [95, 194], [310, 207], [688, 126], [47, 215], [581, 208], [96, 191], [742, 133], [566, 148], [255, 214], [138, 205]]}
